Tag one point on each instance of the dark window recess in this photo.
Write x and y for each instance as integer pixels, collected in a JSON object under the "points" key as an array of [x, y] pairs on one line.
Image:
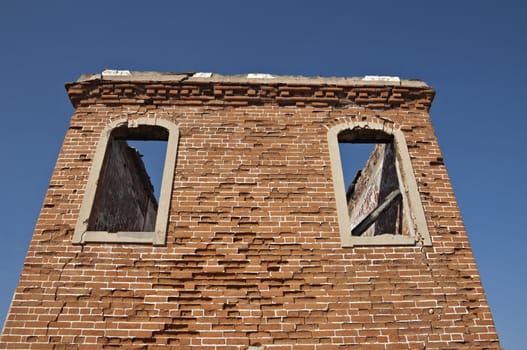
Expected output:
{"points": [[374, 193], [126, 199]]}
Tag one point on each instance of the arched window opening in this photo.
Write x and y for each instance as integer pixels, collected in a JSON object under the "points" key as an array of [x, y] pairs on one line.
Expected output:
{"points": [[377, 198], [125, 199], [122, 204]]}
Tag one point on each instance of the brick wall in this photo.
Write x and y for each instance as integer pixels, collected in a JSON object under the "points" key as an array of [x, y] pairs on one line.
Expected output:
{"points": [[253, 253]]}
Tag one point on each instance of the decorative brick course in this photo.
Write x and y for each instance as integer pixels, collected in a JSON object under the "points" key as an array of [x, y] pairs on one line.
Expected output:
{"points": [[253, 253]]}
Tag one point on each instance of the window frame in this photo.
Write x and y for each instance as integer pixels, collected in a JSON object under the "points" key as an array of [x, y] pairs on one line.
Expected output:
{"points": [[158, 237], [412, 205]]}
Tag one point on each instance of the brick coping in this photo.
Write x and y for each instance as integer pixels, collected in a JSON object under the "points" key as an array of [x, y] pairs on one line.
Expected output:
{"points": [[113, 87]]}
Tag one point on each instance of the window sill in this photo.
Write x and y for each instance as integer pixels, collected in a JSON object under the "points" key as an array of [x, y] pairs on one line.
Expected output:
{"points": [[380, 240], [120, 237]]}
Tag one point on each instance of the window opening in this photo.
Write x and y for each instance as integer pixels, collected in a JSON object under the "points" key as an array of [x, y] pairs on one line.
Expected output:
{"points": [[126, 199], [373, 196], [129, 188], [377, 198]]}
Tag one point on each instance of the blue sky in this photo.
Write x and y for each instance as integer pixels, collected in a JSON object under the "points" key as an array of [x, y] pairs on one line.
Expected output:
{"points": [[474, 53]]}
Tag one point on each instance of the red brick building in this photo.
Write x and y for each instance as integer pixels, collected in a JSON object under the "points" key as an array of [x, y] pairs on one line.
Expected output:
{"points": [[255, 241]]}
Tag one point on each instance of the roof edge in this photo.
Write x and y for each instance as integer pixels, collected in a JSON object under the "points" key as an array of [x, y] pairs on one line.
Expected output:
{"points": [[257, 78]]}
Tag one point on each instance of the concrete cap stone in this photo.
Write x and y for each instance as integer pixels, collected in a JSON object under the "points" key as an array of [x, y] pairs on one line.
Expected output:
{"points": [[251, 78]]}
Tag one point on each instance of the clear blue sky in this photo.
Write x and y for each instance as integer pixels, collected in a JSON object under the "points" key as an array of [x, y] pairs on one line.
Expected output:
{"points": [[474, 53]]}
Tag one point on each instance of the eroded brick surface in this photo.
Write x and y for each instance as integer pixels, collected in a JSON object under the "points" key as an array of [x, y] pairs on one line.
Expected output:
{"points": [[253, 252]]}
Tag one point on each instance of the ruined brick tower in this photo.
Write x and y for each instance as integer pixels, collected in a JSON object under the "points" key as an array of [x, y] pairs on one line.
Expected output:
{"points": [[256, 240]]}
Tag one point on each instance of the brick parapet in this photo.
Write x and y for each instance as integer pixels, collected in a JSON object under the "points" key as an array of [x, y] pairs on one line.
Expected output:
{"points": [[316, 93]]}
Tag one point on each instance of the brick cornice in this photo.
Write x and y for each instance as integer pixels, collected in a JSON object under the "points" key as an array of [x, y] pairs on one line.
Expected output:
{"points": [[183, 92]]}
